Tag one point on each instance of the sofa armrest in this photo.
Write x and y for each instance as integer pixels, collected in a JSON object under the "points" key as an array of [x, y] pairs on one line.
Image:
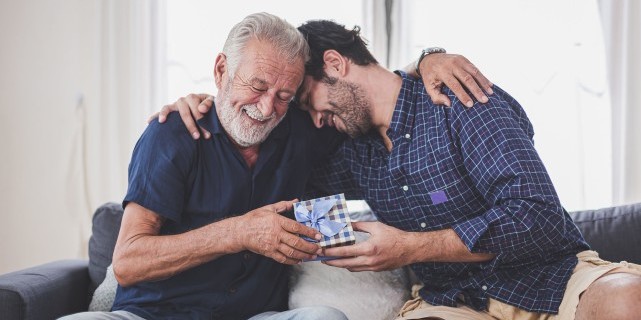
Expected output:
{"points": [[615, 232], [46, 291]]}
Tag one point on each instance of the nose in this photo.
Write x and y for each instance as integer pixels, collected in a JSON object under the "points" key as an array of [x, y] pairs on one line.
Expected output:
{"points": [[266, 105]]}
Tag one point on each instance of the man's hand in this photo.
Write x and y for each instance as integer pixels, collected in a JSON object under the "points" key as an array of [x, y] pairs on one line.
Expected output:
{"points": [[387, 248], [266, 232], [456, 72], [191, 107]]}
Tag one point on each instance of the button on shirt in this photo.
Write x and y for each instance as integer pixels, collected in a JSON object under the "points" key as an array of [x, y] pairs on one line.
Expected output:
{"points": [[475, 171], [192, 183]]}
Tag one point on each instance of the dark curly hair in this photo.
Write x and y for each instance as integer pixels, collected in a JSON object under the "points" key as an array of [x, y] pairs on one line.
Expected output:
{"points": [[322, 35]]}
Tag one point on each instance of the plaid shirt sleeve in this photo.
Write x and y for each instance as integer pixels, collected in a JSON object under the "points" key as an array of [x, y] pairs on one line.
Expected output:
{"points": [[526, 216]]}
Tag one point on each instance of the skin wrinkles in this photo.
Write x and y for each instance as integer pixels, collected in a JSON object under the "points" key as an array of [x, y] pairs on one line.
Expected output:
{"points": [[262, 85]]}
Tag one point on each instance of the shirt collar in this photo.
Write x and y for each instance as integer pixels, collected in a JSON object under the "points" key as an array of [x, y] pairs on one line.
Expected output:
{"points": [[403, 117]]}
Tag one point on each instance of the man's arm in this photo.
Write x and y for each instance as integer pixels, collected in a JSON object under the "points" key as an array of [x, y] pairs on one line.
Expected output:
{"points": [[525, 218], [159, 175], [390, 248], [141, 254], [455, 71]]}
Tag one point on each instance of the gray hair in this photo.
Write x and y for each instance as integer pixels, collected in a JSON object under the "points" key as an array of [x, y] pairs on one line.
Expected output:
{"points": [[287, 40]]}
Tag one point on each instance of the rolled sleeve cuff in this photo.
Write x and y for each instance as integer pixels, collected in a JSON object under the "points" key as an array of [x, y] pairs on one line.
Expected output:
{"points": [[163, 210], [470, 231]]}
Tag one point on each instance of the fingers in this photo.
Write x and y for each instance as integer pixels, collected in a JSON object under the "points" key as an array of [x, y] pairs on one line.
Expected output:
{"points": [[281, 258], [189, 122], [469, 81], [365, 226], [434, 91], [206, 104], [458, 91], [164, 112], [295, 227], [300, 249], [354, 250], [479, 78], [152, 117], [353, 264], [281, 206]]}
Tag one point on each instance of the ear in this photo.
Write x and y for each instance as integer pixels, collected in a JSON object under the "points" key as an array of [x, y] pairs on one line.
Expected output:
{"points": [[220, 69], [335, 64]]}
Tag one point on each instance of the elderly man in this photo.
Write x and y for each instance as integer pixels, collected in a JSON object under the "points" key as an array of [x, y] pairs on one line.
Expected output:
{"points": [[202, 235]]}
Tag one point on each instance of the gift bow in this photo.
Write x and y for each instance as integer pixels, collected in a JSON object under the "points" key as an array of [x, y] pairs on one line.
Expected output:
{"points": [[317, 219]]}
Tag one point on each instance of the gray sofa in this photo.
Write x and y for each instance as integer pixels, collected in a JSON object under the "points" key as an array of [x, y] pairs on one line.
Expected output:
{"points": [[58, 288]]}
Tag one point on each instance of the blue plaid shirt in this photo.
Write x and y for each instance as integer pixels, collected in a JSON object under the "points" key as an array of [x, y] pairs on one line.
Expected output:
{"points": [[475, 171]]}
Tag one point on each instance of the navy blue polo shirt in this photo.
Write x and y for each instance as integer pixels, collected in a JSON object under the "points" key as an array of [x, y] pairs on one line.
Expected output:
{"points": [[192, 183]]}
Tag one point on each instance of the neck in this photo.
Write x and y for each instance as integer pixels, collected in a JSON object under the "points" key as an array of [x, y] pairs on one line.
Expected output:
{"points": [[383, 87], [250, 154]]}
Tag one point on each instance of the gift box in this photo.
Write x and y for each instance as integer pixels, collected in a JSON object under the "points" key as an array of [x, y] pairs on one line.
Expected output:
{"points": [[330, 217]]}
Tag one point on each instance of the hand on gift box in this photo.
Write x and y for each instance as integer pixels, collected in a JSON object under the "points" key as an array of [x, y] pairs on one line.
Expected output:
{"points": [[266, 232], [387, 248]]}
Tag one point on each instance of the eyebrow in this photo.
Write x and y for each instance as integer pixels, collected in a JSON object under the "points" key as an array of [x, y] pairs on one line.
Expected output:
{"points": [[255, 80]]}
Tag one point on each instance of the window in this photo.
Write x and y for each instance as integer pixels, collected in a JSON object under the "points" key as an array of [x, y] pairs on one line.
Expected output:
{"points": [[547, 54], [197, 30]]}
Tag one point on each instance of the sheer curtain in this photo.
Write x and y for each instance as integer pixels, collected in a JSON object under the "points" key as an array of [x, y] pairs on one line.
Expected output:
{"points": [[127, 81], [621, 21]]}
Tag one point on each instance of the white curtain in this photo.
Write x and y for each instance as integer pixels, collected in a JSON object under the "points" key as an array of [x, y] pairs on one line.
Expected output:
{"points": [[621, 20], [555, 69], [126, 86]]}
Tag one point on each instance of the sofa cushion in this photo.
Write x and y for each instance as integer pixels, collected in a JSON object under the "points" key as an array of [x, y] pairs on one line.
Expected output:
{"points": [[106, 225], [615, 232], [105, 294]]}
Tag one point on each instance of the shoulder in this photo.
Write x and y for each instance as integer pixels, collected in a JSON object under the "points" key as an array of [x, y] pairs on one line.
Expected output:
{"points": [[501, 110], [165, 140]]}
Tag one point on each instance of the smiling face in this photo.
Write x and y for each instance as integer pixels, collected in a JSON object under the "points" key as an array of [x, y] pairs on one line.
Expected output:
{"points": [[336, 103], [255, 100]]}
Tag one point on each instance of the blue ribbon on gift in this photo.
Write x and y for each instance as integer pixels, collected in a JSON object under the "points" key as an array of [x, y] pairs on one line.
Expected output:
{"points": [[317, 218]]}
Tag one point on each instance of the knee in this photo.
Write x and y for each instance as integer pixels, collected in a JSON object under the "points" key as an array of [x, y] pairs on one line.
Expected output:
{"points": [[616, 296], [322, 313]]}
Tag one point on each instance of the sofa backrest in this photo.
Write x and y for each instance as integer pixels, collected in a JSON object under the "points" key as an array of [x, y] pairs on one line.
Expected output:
{"points": [[104, 233], [614, 232]]}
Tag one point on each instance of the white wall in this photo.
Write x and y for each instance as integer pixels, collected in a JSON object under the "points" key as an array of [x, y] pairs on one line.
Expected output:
{"points": [[47, 57]]}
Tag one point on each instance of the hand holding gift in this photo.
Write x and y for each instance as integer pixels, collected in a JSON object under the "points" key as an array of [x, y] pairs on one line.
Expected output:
{"points": [[329, 216]]}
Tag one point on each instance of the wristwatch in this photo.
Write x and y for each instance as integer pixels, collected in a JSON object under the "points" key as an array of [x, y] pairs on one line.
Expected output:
{"points": [[426, 52]]}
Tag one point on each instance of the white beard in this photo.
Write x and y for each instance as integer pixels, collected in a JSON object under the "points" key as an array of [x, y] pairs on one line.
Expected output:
{"points": [[238, 125]]}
